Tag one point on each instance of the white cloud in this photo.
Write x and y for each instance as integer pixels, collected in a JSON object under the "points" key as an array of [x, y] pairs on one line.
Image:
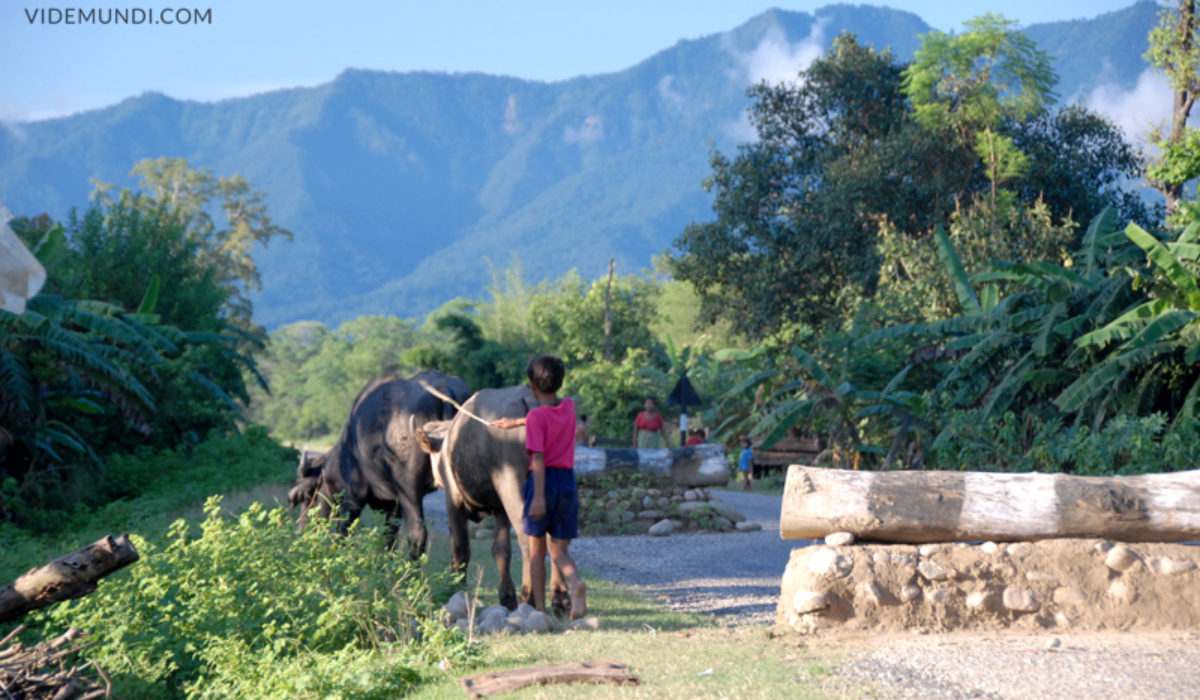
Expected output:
{"points": [[777, 60], [667, 93], [1137, 110], [592, 129]]}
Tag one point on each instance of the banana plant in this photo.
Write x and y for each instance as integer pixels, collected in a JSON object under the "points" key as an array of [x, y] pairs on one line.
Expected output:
{"points": [[1153, 347]]}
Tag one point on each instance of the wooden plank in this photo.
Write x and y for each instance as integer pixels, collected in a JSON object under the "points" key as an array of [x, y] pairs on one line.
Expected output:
{"points": [[931, 506], [70, 576], [486, 684]]}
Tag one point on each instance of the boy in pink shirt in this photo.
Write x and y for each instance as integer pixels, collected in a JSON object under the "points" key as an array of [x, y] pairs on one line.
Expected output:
{"points": [[551, 511]]}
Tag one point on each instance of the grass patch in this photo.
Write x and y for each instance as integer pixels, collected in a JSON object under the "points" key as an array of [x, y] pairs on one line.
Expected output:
{"points": [[770, 485], [700, 662]]}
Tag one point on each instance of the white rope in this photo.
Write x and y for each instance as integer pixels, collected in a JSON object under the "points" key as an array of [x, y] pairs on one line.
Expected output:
{"points": [[451, 401]]}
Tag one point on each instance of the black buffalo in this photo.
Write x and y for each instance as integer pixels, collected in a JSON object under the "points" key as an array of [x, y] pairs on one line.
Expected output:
{"points": [[377, 461]]}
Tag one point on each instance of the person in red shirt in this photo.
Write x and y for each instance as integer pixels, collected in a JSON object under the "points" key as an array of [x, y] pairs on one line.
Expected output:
{"points": [[551, 513], [695, 438], [649, 426]]}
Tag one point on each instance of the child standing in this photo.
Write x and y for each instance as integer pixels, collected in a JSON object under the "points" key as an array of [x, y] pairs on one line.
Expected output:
{"points": [[551, 511], [745, 463]]}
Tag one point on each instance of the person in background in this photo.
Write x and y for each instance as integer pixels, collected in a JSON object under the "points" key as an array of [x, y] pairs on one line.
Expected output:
{"points": [[649, 428], [695, 438], [746, 463], [582, 436]]}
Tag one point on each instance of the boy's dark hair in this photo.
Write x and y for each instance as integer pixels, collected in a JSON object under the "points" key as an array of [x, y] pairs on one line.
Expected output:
{"points": [[746, 442], [546, 373]]}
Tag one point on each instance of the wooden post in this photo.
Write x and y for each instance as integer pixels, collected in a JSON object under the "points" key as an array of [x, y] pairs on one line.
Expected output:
{"points": [[70, 576], [608, 312], [931, 506]]}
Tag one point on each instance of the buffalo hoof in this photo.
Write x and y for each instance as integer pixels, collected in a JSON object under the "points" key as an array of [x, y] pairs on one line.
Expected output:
{"points": [[509, 600], [560, 603]]}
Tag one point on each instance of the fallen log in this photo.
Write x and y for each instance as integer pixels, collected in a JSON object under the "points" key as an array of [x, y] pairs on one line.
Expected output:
{"points": [[486, 684], [697, 465], [931, 506], [70, 576]]}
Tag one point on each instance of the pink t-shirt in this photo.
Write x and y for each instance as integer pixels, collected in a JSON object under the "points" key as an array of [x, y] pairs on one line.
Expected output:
{"points": [[551, 430]]}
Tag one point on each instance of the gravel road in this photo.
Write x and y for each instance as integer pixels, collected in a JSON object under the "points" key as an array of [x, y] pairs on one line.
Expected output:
{"points": [[732, 575]]}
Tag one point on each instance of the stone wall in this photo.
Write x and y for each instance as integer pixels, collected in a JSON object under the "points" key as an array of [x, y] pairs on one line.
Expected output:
{"points": [[1065, 585]]}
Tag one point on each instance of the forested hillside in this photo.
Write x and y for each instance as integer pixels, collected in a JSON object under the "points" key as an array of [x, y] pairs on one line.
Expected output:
{"points": [[405, 189]]}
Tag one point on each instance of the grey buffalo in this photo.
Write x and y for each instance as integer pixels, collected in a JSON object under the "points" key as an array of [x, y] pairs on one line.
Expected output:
{"points": [[482, 469]]}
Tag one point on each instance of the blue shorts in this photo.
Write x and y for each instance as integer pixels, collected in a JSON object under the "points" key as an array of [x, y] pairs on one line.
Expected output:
{"points": [[562, 506]]}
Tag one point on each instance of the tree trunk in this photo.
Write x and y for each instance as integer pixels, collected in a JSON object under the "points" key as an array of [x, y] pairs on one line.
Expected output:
{"points": [[608, 312], [70, 576], [920, 506]]}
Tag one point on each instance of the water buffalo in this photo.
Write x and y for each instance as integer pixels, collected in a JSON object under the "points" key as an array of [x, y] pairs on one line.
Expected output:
{"points": [[482, 469], [376, 461]]}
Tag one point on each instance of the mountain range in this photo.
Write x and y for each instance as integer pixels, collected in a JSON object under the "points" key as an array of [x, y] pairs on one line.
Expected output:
{"points": [[405, 190]]}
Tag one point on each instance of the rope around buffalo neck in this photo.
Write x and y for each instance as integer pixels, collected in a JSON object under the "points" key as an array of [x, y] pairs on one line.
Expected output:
{"points": [[452, 402]]}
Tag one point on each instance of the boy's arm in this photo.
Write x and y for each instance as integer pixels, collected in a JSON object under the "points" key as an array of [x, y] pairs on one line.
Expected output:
{"points": [[537, 472], [508, 422]]}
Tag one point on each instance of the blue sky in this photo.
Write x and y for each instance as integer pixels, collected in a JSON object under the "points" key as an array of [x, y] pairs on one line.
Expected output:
{"points": [[250, 47]]}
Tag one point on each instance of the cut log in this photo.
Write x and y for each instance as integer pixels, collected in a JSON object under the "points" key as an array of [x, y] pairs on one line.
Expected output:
{"points": [[698, 465], [70, 576], [930, 506], [486, 684]]}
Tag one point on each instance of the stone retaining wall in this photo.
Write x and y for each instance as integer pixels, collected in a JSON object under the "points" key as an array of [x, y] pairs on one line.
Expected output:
{"points": [[1067, 585]]}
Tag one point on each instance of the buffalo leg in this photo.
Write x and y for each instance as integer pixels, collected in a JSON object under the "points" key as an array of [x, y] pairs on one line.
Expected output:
{"points": [[460, 542], [502, 553], [418, 535], [509, 490]]}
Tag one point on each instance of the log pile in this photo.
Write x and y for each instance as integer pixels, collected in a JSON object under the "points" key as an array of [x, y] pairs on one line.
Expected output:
{"points": [[47, 671]]}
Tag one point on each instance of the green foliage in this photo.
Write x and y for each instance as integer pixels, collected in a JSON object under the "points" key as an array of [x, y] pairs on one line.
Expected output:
{"points": [[230, 613], [1175, 51], [223, 251], [136, 488], [974, 81], [1126, 445]]}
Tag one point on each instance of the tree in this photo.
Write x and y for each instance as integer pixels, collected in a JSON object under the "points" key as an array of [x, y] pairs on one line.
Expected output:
{"points": [[797, 211], [191, 195], [1175, 51], [974, 82]]}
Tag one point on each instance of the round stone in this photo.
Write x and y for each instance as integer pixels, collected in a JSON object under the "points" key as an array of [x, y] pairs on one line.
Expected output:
{"points": [[809, 601], [933, 571], [839, 539], [827, 562], [1018, 549], [910, 593], [1021, 600], [1120, 558]]}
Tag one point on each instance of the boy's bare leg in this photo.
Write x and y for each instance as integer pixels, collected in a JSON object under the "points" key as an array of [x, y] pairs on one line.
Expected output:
{"points": [[746, 480], [564, 562], [537, 562]]}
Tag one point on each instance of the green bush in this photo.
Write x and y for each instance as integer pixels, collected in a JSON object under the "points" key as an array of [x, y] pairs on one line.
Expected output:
{"points": [[1125, 445], [250, 609], [131, 488]]}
